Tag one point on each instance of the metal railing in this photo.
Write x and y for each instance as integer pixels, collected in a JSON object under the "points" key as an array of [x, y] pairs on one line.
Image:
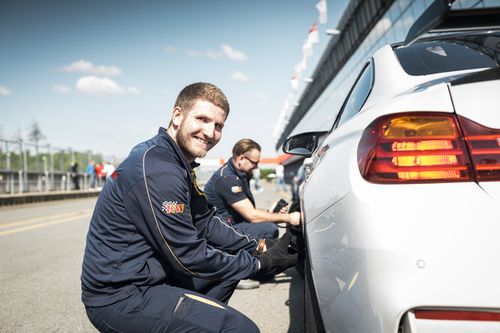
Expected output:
{"points": [[32, 167]]}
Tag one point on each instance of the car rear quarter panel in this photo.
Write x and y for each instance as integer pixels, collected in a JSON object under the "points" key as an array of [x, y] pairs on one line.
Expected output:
{"points": [[377, 251], [478, 101]]}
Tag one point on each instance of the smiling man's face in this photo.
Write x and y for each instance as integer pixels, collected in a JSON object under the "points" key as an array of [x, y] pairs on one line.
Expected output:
{"points": [[198, 129]]}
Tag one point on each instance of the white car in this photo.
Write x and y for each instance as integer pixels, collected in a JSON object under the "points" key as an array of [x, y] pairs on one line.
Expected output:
{"points": [[401, 202]]}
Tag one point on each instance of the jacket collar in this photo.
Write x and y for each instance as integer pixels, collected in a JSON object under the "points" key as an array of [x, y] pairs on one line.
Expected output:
{"points": [[164, 140], [244, 179], [239, 173]]}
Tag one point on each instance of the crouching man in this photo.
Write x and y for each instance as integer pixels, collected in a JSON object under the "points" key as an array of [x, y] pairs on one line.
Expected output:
{"points": [[158, 258], [229, 191]]}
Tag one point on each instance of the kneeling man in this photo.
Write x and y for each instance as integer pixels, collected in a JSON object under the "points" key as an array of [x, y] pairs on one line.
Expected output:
{"points": [[229, 191]]}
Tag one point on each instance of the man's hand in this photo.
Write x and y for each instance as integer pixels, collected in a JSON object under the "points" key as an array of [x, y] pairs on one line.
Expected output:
{"points": [[284, 210], [278, 258], [294, 218]]}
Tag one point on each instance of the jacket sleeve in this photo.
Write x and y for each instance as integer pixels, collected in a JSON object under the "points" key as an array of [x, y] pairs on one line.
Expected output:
{"points": [[160, 208], [223, 236], [230, 189]]}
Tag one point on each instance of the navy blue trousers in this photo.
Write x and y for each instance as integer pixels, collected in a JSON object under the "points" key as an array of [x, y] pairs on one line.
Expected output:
{"points": [[258, 230], [164, 308]]}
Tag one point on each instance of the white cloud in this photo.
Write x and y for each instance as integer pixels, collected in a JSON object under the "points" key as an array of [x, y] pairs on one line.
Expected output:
{"points": [[261, 97], [133, 91], [83, 66], [192, 53], [239, 76], [4, 91], [62, 89], [102, 86], [211, 54], [170, 49], [226, 52], [233, 54]]}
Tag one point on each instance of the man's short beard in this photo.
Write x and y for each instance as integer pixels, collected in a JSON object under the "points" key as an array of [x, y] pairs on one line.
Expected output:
{"points": [[182, 143]]}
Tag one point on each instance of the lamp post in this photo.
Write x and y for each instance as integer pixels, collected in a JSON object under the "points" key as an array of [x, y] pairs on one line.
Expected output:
{"points": [[45, 173]]}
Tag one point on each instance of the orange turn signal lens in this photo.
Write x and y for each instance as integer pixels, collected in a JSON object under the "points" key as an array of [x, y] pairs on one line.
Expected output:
{"points": [[419, 126]]}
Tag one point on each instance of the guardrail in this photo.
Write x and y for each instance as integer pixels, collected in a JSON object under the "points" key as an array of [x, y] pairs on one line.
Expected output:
{"points": [[25, 198], [27, 167], [12, 182]]}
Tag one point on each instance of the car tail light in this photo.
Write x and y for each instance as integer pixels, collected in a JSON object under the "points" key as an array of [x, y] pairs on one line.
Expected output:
{"points": [[457, 315], [422, 147], [484, 146], [414, 147]]}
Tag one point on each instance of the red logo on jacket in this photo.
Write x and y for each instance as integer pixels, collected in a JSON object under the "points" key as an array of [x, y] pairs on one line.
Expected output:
{"points": [[172, 207]]}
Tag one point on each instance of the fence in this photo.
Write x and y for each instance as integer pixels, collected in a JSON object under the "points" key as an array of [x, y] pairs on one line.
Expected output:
{"points": [[31, 167]]}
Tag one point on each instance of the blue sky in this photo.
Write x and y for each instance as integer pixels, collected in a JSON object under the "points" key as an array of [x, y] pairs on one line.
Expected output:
{"points": [[103, 75]]}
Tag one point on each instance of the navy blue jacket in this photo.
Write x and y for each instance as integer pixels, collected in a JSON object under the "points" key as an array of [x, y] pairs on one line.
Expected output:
{"points": [[227, 186], [150, 221]]}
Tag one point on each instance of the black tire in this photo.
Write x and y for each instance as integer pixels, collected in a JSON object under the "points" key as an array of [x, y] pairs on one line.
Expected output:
{"points": [[312, 317], [297, 244], [297, 239]]}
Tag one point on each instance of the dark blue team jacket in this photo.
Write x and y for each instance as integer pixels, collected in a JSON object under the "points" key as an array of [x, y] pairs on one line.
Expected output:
{"points": [[227, 186], [151, 220]]}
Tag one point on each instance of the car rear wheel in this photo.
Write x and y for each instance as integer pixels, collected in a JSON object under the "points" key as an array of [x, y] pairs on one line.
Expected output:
{"points": [[312, 316]]}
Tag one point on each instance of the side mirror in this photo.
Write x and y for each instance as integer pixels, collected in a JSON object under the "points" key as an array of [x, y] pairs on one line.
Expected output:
{"points": [[302, 144]]}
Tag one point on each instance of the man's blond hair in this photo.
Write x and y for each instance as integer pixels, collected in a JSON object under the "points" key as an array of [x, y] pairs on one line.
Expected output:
{"points": [[201, 91], [243, 146]]}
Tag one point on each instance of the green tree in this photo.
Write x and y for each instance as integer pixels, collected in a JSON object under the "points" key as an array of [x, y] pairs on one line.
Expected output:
{"points": [[35, 133]]}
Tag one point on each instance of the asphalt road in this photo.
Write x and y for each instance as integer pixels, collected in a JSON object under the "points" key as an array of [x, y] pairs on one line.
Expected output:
{"points": [[41, 249]]}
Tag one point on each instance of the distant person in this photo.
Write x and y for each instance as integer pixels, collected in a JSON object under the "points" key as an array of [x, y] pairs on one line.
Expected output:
{"points": [[279, 179], [99, 173], [91, 174], [73, 173], [108, 169], [157, 257], [229, 191], [256, 178]]}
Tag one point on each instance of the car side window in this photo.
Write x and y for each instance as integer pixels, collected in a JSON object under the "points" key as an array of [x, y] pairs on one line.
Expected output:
{"points": [[358, 95]]}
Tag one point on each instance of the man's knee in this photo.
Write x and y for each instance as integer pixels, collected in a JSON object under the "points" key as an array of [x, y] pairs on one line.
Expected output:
{"points": [[201, 314], [271, 231], [170, 309], [238, 322]]}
